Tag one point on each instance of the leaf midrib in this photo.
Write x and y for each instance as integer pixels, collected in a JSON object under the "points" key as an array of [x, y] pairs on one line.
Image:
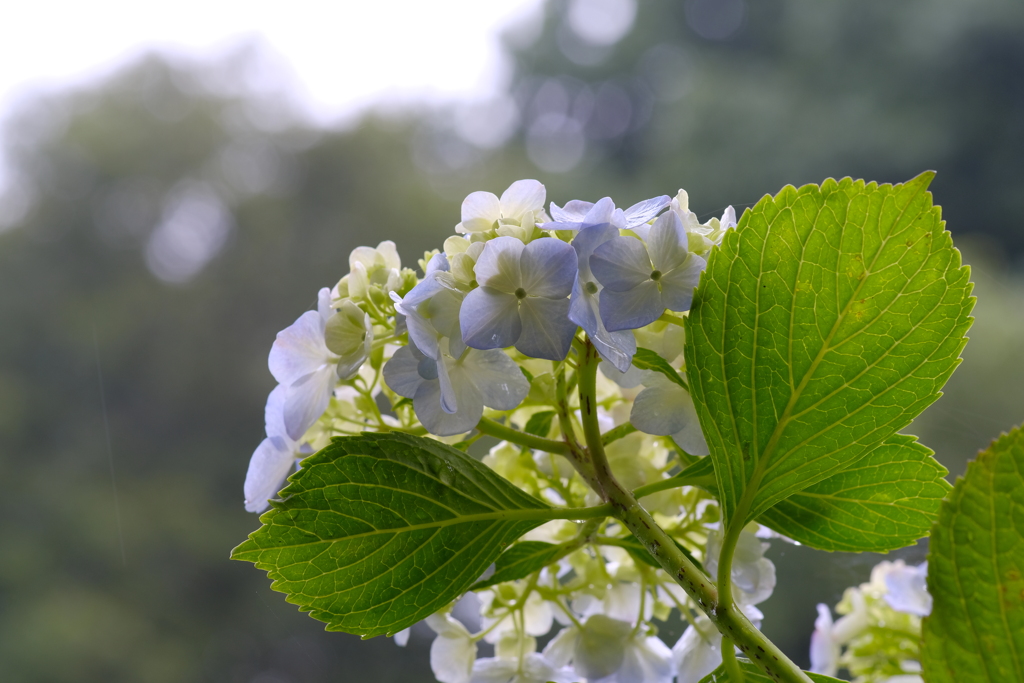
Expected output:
{"points": [[783, 422]]}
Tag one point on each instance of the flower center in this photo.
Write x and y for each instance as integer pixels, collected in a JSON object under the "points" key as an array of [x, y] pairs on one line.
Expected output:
{"points": [[590, 288], [655, 275], [520, 293]]}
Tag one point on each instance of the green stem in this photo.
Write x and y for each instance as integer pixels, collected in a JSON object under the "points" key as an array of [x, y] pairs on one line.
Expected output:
{"points": [[732, 665], [577, 454], [617, 433], [733, 624], [673, 483], [506, 433]]}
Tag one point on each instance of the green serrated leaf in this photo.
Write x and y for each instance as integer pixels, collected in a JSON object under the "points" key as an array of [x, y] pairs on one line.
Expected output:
{"points": [[976, 573], [539, 424], [823, 325], [378, 531], [645, 359], [885, 501], [523, 559], [752, 674]]}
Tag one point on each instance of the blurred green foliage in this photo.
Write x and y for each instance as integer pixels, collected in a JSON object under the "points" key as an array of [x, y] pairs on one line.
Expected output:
{"points": [[131, 582]]}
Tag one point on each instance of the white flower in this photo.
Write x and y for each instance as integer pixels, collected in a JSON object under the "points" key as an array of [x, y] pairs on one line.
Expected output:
{"points": [[698, 651], [453, 651], [828, 636], [519, 205], [596, 650], [824, 648], [516, 661], [402, 637], [301, 361], [647, 660], [907, 589], [753, 574], [369, 267]]}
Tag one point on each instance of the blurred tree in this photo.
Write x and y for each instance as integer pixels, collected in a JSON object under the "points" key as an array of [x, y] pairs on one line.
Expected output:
{"points": [[182, 213]]}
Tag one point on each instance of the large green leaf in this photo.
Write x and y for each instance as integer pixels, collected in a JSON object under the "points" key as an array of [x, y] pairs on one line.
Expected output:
{"points": [[824, 324], [887, 500], [378, 531], [752, 674], [523, 559], [976, 573]]}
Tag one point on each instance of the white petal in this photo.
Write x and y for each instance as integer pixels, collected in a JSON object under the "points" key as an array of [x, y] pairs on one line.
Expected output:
{"points": [[389, 253], [402, 637], [562, 648], [496, 377], [367, 256], [547, 331], [480, 211], [299, 349], [660, 409], [697, 653], [307, 400], [323, 304], [728, 218], [494, 670], [537, 615], [647, 660], [452, 657], [824, 649], [573, 212], [521, 197], [490, 319], [602, 646], [268, 467], [498, 265], [549, 268]]}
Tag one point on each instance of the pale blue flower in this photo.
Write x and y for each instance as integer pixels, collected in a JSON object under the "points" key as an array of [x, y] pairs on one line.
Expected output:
{"points": [[274, 458], [449, 394], [522, 299], [431, 310], [664, 408], [584, 304], [907, 589], [577, 214], [642, 280], [301, 361]]}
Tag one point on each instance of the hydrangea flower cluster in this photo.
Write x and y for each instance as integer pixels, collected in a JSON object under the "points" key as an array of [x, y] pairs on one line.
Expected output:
{"points": [[484, 342], [877, 638]]}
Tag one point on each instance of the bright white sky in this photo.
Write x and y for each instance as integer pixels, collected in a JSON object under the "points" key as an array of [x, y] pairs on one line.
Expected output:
{"points": [[345, 54]]}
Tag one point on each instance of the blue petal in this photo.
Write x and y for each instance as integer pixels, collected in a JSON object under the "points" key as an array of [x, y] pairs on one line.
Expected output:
{"points": [[496, 377], [427, 405], [632, 309], [615, 347], [547, 330], [621, 263], [641, 212], [490, 319], [677, 285], [586, 241], [667, 242], [549, 268], [401, 372], [498, 265]]}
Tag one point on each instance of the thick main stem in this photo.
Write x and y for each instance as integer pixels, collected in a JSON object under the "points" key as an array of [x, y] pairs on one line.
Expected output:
{"points": [[733, 624]]}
